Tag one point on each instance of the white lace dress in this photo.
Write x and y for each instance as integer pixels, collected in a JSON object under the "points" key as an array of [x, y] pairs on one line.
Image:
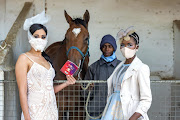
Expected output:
{"points": [[41, 96]]}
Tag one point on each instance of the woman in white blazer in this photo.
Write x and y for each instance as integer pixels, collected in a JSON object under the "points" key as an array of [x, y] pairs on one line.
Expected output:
{"points": [[129, 92]]}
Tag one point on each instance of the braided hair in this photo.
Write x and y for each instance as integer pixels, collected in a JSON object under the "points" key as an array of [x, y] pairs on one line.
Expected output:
{"points": [[135, 37]]}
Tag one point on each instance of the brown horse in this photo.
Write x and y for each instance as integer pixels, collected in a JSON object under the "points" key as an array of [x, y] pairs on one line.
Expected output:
{"points": [[75, 47]]}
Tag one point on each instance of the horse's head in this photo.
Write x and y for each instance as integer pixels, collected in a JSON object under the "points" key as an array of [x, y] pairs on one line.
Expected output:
{"points": [[77, 38]]}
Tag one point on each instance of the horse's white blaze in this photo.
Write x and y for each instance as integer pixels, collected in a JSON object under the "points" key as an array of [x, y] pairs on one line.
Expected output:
{"points": [[76, 31]]}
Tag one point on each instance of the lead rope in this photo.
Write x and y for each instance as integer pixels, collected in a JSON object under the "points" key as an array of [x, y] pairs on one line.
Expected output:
{"points": [[87, 101], [85, 88]]}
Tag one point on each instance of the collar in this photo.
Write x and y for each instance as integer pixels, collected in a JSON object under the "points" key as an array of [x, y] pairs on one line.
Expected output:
{"points": [[113, 63], [136, 63]]}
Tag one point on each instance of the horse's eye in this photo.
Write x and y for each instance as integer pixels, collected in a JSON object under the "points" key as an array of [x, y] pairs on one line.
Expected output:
{"points": [[87, 39]]}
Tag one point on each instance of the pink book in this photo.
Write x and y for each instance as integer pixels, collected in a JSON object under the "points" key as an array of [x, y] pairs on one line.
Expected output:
{"points": [[69, 68]]}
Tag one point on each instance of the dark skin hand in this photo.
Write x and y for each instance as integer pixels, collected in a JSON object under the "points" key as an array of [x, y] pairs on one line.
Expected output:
{"points": [[91, 86], [135, 116], [132, 45]]}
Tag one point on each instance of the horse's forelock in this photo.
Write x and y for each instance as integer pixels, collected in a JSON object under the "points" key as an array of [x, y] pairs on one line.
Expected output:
{"points": [[79, 21]]}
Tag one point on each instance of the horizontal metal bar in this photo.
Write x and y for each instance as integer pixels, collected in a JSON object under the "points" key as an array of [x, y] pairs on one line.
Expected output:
{"points": [[165, 81], [98, 81], [83, 81]]}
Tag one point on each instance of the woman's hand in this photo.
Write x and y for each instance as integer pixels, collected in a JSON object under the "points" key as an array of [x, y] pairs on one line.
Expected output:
{"points": [[70, 80], [135, 116], [132, 118], [91, 86]]}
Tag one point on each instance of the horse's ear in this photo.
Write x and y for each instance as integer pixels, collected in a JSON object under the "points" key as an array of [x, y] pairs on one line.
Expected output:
{"points": [[68, 18], [86, 17]]}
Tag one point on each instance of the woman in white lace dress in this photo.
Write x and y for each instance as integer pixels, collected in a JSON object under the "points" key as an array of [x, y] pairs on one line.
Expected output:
{"points": [[34, 74]]}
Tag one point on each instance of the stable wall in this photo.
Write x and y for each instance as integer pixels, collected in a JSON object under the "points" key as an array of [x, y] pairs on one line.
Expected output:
{"points": [[152, 19]]}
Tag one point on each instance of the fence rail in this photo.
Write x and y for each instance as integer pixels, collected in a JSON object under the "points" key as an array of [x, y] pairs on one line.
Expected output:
{"points": [[73, 102], [99, 81]]}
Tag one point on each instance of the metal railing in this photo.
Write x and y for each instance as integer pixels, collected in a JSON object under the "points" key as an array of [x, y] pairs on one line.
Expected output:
{"points": [[73, 102]]}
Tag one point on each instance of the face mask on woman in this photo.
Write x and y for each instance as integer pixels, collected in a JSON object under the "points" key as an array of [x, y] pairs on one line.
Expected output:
{"points": [[37, 43], [127, 52]]}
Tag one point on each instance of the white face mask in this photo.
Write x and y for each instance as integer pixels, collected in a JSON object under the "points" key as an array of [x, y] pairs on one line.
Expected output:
{"points": [[127, 52], [38, 44]]}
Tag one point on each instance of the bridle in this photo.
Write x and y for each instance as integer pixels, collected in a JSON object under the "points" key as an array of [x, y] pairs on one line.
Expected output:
{"points": [[83, 57]]}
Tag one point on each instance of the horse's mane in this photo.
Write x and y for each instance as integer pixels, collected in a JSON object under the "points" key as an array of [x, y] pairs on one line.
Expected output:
{"points": [[79, 21]]}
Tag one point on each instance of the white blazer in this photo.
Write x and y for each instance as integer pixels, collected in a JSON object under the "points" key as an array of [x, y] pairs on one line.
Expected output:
{"points": [[135, 93]]}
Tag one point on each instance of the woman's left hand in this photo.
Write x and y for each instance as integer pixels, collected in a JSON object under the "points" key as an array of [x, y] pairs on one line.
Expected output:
{"points": [[135, 116], [132, 118], [70, 80]]}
